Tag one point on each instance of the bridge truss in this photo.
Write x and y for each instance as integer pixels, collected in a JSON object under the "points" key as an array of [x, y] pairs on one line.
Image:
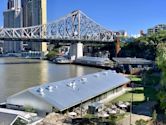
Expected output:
{"points": [[75, 26]]}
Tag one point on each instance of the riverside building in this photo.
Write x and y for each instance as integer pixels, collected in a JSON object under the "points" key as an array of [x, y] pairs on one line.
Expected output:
{"points": [[68, 94]]}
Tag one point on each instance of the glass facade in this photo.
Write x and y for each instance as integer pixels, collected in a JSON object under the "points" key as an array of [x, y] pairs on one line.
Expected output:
{"points": [[12, 19], [34, 13]]}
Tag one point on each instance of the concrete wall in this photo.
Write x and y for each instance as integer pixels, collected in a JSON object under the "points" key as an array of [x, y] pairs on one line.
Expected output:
{"points": [[76, 50], [106, 97]]}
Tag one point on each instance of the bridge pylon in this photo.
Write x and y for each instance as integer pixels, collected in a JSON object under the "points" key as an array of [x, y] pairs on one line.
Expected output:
{"points": [[76, 50]]}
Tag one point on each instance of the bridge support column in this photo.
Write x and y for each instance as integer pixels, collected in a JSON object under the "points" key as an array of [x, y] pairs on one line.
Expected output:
{"points": [[76, 50]]}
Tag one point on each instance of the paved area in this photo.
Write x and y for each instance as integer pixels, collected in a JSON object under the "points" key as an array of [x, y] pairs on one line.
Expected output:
{"points": [[134, 118], [142, 111], [144, 108], [54, 119]]}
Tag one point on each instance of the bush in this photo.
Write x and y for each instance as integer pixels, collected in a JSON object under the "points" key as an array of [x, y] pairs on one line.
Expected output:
{"points": [[29, 109], [141, 122], [151, 79], [51, 54]]}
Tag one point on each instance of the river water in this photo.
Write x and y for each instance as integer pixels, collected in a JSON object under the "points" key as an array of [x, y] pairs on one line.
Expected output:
{"points": [[19, 74]]}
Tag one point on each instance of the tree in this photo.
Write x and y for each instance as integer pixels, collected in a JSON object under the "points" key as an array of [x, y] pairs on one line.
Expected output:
{"points": [[161, 56], [160, 60], [141, 122], [52, 54], [144, 46]]}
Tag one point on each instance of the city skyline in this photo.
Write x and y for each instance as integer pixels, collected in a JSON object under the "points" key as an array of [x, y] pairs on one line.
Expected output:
{"points": [[114, 15], [23, 14]]}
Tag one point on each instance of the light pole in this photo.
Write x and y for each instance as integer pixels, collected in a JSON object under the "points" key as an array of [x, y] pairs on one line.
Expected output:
{"points": [[81, 108], [131, 105]]}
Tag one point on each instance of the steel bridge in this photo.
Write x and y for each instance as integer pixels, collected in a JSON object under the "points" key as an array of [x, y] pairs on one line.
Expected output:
{"points": [[74, 27]]}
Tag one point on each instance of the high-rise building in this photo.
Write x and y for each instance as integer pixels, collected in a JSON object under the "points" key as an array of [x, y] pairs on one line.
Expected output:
{"points": [[156, 29], [34, 13], [14, 4], [121, 33], [12, 19]]}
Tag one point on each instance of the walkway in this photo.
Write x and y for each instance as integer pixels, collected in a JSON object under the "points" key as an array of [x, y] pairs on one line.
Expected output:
{"points": [[145, 108], [134, 117]]}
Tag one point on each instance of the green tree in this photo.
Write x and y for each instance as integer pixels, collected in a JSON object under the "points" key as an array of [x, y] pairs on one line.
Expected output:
{"points": [[160, 60], [161, 56], [52, 54], [144, 46]]}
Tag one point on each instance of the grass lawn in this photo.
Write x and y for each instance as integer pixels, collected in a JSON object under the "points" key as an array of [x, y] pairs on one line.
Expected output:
{"points": [[140, 95], [147, 79], [135, 79]]}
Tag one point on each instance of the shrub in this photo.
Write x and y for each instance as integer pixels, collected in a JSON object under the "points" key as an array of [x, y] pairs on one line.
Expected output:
{"points": [[141, 122], [29, 109]]}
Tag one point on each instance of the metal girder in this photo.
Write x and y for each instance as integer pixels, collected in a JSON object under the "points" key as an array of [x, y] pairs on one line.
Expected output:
{"points": [[75, 26]]}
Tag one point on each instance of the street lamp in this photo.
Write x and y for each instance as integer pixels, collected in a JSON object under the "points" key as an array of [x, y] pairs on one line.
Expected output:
{"points": [[131, 105]]}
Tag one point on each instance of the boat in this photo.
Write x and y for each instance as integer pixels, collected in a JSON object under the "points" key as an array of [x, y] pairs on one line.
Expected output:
{"points": [[62, 60]]}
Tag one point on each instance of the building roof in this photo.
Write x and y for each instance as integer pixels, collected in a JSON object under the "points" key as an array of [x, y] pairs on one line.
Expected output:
{"points": [[8, 116], [94, 59], [68, 93], [6, 119], [129, 60], [26, 115]]}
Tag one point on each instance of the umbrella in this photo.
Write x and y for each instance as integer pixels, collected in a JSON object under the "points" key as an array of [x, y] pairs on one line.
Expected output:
{"points": [[112, 112], [105, 115], [72, 113], [122, 105]]}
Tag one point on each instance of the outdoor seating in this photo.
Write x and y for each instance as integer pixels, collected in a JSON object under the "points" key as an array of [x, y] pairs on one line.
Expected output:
{"points": [[112, 111], [113, 106]]}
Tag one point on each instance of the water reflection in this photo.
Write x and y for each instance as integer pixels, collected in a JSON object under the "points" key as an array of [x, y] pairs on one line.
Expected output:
{"points": [[43, 72], [19, 74]]}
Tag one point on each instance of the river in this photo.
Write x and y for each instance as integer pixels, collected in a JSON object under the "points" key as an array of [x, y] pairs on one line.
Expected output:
{"points": [[18, 74]]}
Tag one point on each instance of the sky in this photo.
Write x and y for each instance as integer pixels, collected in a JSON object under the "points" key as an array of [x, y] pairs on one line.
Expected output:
{"points": [[129, 15]]}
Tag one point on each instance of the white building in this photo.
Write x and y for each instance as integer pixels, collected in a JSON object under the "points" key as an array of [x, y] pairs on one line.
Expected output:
{"points": [[67, 94], [156, 29]]}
